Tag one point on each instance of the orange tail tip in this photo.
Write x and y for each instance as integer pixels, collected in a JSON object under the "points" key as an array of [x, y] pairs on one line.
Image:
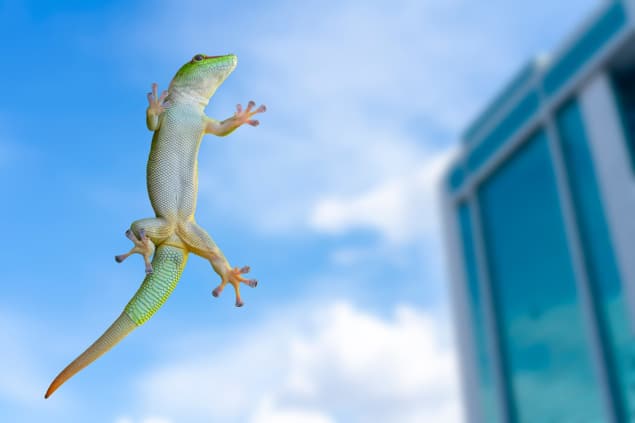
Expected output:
{"points": [[115, 333]]}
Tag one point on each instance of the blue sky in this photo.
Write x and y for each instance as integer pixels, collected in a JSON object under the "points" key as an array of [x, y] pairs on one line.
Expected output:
{"points": [[331, 201]]}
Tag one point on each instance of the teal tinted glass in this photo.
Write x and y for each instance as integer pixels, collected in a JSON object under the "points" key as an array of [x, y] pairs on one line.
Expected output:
{"points": [[487, 394], [456, 176], [624, 88], [599, 260], [520, 81], [515, 119], [601, 32], [543, 338]]}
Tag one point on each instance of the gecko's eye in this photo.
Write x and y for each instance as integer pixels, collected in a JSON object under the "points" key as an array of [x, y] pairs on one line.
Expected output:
{"points": [[198, 58]]}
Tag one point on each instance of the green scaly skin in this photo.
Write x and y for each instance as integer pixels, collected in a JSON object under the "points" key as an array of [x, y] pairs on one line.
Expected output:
{"points": [[169, 263], [179, 123]]}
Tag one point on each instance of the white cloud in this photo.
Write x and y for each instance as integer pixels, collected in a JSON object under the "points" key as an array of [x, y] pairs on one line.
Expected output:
{"points": [[268, 412], [402, 209], [333, 363]]}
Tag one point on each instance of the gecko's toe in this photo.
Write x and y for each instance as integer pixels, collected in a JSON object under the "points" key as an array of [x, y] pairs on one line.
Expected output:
{"points": [[216, 292], [252, 283], [119, 258], [239, 303], [131, 236]]}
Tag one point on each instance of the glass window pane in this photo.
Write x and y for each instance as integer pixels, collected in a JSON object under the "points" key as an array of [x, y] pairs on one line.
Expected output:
{"points": [[624, 88], [545, 348]]}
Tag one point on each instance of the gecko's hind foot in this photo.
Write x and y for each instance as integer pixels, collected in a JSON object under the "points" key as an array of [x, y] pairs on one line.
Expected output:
{"points": [[235, 278], [142, 245]]}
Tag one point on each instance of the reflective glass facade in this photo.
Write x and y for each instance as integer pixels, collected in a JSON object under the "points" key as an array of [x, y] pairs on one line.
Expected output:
{"points": [[542, 328], [541, 197]]}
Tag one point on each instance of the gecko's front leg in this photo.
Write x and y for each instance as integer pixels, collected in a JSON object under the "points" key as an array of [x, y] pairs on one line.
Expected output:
{"points": [[241, 117]]}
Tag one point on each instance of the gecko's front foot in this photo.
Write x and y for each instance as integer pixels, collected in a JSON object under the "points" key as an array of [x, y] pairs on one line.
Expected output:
{"points": [[156, 103], [234, 277], [245, 116], [142, 245]]}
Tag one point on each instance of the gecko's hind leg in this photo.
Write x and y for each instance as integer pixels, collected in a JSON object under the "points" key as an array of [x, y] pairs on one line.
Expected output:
{"points": [[158, 229], [144, 234], [201, 244]]}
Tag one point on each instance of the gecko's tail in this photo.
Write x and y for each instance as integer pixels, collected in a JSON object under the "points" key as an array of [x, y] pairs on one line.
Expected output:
{"points": [[168, 264], [115, 333]]}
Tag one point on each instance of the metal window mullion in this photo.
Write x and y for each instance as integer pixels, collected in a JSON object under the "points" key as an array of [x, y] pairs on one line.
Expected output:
{"points": [[612, 165], [502, 389], [630, 9], [465, 338], [580, 272]]}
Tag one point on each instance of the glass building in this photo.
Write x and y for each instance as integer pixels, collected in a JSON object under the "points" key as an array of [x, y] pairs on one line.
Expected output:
{"points": [[539, 209]]}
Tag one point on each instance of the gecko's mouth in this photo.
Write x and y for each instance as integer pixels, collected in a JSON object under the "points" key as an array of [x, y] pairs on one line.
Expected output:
{"points": [[226, 60], [218, 57]]}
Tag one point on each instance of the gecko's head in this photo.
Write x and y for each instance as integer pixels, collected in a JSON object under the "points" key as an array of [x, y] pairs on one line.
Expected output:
{"points": [[203, 74]]}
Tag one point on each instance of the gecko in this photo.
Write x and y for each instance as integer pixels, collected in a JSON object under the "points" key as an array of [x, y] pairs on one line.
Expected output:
{"points": [[178, 120]]}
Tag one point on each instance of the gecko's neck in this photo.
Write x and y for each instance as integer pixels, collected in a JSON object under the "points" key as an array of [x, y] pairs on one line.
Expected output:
{"points": [[180, 95]]}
